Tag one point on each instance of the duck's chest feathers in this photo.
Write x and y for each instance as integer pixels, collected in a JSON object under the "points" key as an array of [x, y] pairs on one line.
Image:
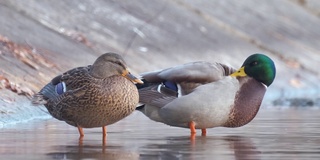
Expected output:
{"points": [[116, 91], [247, 102], [105, 102]]}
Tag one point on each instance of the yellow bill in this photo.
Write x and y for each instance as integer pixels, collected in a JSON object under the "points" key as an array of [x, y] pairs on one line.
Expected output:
{"points": [[239, 73]]}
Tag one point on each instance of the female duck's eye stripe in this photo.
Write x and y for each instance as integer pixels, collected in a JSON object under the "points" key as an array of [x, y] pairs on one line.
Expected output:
{"points": [[61, 88]]}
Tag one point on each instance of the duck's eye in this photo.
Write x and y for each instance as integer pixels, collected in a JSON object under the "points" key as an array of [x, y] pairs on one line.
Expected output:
{"points": [[119, 63], [254, 63]]}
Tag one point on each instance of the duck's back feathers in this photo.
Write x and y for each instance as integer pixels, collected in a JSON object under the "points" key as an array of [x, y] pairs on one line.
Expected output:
{"points": [[161, 87], [68, 81], [76, 78], [196, 72]]}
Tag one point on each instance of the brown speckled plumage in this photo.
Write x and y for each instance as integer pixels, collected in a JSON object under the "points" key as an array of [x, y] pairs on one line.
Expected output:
{"points": [[95, 96], [97, 103]]}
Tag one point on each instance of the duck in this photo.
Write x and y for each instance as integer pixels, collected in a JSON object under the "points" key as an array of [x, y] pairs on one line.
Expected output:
{"points": [[202, 95], [92, 96]]}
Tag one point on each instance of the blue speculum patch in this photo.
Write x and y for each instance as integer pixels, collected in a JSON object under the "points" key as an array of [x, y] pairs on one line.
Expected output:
{"points": [[170, 85], [61, 88]]}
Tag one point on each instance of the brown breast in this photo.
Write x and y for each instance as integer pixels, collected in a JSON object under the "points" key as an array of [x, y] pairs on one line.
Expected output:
{"points": [[247, 102]]}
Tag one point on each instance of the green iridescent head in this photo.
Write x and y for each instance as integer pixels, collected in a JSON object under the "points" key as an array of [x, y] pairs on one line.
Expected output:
{"points": [[259, 67]]}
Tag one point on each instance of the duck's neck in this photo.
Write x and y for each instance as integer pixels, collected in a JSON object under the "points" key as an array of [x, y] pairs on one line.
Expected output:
{"points": [[101, 71], [247, 102]]}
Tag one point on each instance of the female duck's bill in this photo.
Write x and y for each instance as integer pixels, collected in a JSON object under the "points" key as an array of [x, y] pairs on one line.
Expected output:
{"points": [[131, 77]]}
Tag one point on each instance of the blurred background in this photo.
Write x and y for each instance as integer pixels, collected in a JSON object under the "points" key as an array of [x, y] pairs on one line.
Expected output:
{"points": [[40, 39]]}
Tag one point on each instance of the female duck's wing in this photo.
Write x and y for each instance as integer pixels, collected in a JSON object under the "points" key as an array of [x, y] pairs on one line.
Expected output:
{"points": [[75, 78], [162, 87], [59, 86]]}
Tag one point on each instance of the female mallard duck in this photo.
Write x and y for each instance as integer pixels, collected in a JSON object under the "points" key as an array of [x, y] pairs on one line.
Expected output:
{"points": [[93, 96], [202, 95]]}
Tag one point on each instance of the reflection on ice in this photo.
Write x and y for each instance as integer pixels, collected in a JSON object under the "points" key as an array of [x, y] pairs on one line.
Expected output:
{"points": [[274, 134]]}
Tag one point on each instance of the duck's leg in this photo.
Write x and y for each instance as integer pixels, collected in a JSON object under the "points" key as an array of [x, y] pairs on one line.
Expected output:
{"points": [[80, 131], [192, 127], [104, 132], [203, 132]]}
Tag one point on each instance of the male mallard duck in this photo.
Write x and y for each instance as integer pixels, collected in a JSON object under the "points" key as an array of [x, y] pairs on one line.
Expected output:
{"points": [[202, 95], [93, 96]]}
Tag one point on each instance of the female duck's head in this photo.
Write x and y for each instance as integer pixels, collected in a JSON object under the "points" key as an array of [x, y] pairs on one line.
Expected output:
{"points": [[110, 64]]}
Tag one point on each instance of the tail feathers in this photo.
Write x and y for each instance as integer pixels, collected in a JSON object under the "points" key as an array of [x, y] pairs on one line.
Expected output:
{"points": [[38, 99], [49, 91], [46, 93]]}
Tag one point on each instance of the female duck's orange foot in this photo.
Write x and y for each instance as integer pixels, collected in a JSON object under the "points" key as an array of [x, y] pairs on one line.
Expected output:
{"points": [[203, 132], [192, 127]]}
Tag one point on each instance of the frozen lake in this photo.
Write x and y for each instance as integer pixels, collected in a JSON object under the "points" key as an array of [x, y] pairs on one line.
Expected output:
{"points": [[273, 134]]}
